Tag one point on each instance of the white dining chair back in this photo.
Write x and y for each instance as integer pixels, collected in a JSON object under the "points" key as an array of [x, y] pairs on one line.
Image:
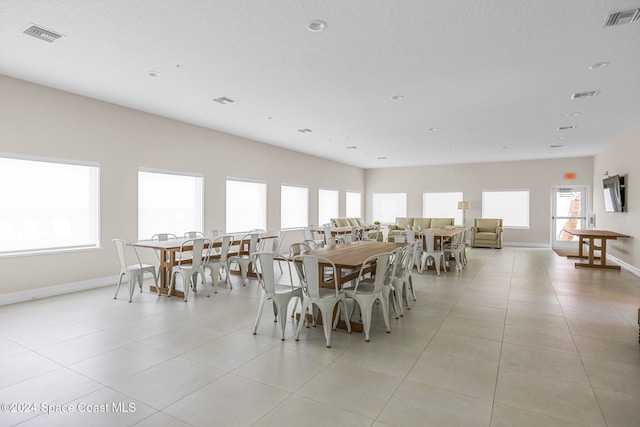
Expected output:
{"points": [[194, 234], [368, 290], [163, 236], [279, 294], [242, 257], [430, 252], [188, 270], [218, 261], [325, 299], [133, 270]]}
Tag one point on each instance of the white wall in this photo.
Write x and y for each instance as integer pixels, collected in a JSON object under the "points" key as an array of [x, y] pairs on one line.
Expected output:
{"points": [[537, 176], [621, 158], [44, 122]]}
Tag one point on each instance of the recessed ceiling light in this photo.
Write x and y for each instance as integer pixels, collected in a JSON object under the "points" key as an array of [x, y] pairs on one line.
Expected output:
{"points": [[433, 129], [397, 97], [317, 25], [574, 114], [598, 65], [305, 130], [154, 74], [382, 158], [351, 147], [556, 146]]}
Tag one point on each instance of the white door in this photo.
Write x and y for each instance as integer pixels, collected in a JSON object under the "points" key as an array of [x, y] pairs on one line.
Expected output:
{"points": [[569, 210]]}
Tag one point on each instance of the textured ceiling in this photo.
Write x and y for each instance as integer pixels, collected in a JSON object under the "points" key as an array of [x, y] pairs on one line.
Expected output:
{"points": [[480, 80]]}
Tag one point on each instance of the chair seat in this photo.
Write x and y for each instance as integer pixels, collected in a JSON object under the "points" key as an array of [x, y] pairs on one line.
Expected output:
{"points": [[282, 289], [484, 235]]}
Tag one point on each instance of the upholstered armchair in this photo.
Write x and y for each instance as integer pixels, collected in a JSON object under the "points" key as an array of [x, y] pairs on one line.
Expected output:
{"points": [[487, 233]]}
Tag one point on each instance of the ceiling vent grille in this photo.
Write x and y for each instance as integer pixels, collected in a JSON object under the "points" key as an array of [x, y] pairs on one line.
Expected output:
{"points": [[567, 127], [224, 100], [588, 94], [624, 17], [42, 34]]}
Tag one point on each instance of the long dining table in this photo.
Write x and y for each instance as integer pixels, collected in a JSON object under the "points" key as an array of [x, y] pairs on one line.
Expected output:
{"points": [[348, 259], [168, 250], [440, 235]]}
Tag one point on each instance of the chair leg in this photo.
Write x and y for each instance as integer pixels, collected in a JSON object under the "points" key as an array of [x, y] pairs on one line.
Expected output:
{"points": [[263, 299], [118, 287], [281, 308], [326, 325], [132, 286]]}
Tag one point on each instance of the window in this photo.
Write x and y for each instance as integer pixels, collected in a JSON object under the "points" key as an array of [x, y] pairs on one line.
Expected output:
{"points": [[169, 203], [246, 206], [511, 206], [442, 205], [328, 205], [48, 205], [354, 205], [388, 206], [294, 206]]}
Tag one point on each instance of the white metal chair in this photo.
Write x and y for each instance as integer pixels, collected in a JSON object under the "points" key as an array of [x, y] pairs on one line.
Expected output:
{"points": [[308, 235], [163, 236], [279, 294], [325, 299], [455, 248], [400, 279], [437, 255], [243, 257], [132, 271], [369, 290], [218, 261], [194, 234], [189, 270]]}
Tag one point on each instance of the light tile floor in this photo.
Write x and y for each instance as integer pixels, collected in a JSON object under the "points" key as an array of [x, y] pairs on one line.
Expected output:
{"points": [[519, 338]]}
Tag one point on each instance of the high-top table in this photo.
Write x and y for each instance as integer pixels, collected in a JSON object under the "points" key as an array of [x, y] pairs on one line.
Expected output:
{"points": [[589, 238]]}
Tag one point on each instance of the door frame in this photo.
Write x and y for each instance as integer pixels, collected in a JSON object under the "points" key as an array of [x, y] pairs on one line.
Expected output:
{"points": [[584, 214]]}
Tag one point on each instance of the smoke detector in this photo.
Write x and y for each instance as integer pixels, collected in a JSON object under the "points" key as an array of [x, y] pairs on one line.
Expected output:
{"points": [[624, 17]]}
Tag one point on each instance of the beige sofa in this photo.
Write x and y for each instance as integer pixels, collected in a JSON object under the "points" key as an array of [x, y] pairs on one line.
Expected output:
{"points": [[400, 227], [487, 233], [346, 222], [358, 222]]}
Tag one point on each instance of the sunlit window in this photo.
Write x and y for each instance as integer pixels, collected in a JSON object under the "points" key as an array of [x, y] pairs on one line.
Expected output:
{"points": [[353, 205], [294, 206], [246, 206], [328, 205], [48, 205], [387, 206], [442, 205], [169, 203], [511, 206]]}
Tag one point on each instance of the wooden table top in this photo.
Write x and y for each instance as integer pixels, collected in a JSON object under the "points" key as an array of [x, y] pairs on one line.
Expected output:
{"points": [[353, 255], [595, 233]]}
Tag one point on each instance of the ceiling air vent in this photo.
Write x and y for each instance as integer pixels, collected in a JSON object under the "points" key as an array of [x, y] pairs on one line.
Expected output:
{"points": [[223, 100], [566, 128], [584, 94], [624, 17], [42, 34]]}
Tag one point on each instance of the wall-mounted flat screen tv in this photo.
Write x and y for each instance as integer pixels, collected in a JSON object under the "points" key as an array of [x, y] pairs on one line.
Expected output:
{"points": [[614, 193]]}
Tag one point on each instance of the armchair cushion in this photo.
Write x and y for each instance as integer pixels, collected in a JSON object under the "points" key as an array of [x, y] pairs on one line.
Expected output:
{"points": [[353, 222], [340, 222]]}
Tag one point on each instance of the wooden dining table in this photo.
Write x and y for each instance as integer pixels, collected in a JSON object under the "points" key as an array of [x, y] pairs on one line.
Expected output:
{"points": [[349, 257], [168, 250], [441, 236]]}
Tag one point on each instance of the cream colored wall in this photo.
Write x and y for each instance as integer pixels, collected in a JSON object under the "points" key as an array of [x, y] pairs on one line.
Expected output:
{"points": [[537, 176], [44, 122], [621, 158]]}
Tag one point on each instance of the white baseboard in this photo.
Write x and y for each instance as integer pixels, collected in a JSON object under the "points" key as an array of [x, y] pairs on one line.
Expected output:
{"points": [[33, 294], [630, 268]]}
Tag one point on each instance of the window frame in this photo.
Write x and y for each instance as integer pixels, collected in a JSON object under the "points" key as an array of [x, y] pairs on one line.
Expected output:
{"points": [[374, 202], [348, 212], [92, 199], [261, 223], [505, 218], [198, 208], [282, 208], [457, 216], [335, 213]]}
